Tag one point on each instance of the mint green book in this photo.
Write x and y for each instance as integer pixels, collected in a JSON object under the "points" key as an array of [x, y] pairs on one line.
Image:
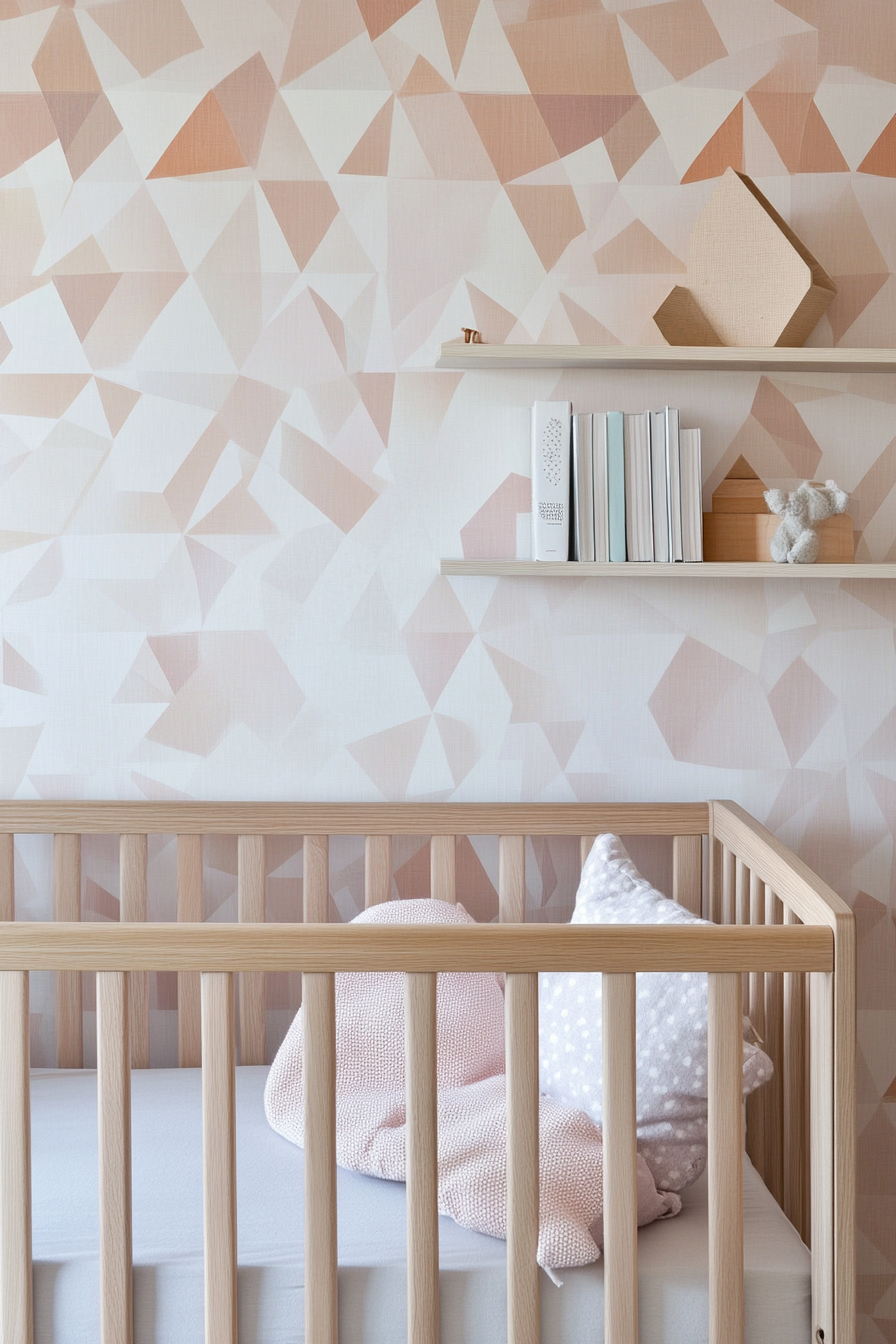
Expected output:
{"points": [[616, 485]]}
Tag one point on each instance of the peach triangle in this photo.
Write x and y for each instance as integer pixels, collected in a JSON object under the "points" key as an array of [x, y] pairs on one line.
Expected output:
{"points": [[424, 78], [881, 157], [854, 293], [724, 150], [118, 402], [304, 211], [84, 297], [493, 321], [890, 1094], [550, 216], [204, 144], [637, 251], [370, 156], [378, 15], [457, 19], [377, 390]]}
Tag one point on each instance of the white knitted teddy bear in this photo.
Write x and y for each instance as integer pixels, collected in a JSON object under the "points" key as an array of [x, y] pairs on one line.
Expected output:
{"points": [[796, 541]]}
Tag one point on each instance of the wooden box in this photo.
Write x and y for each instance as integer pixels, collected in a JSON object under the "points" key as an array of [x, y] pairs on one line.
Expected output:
{"points": [[747, 536]]}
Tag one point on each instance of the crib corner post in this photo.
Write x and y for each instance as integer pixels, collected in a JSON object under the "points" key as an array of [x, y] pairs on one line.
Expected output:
{"points": [[16, 1306]]}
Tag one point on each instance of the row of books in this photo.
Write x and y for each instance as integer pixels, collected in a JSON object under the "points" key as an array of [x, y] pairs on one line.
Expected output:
{"points": [[610, 486]]}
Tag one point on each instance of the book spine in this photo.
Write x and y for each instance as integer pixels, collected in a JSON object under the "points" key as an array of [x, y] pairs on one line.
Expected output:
{"points": [[673, 441], [550, 480], [582, 488], [601, 491], [662, 551], [616, 486], [691, 495]]}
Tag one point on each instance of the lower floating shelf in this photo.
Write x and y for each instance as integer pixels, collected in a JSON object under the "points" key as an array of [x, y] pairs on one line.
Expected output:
{"points": [[560, 569]]}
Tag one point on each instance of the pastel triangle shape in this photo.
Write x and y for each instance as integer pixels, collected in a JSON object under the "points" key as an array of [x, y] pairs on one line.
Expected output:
{"points": [[370, 156], [204, 144], [724, 150]]}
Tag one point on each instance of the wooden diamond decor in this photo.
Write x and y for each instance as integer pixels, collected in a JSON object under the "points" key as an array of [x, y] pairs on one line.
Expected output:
{"points": [[751, 282]]}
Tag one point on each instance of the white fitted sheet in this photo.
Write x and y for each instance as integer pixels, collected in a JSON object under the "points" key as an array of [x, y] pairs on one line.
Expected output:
{"points": [[168, 1285]]}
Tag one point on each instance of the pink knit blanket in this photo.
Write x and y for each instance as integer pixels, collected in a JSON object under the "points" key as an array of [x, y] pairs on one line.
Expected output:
{"points": [[370, 1104]]}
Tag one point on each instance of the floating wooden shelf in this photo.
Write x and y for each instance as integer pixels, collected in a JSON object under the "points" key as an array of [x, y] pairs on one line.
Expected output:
{"points": [[780, 359], [559, 569]]}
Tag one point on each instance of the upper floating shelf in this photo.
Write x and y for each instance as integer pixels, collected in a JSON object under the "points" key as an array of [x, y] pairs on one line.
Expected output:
{"points": [[780, 359], [563, 569]]}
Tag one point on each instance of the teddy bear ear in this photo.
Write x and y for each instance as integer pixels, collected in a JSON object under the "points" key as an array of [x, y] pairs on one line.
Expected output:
{"points": [[776, 500]]}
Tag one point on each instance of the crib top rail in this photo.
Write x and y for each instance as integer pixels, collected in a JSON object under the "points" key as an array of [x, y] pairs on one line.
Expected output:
{"points": [[194, 818], [415, 948]]}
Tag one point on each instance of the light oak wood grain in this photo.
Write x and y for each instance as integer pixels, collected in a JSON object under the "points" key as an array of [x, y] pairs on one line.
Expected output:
{"points": [[219, 1157], [319, 1079], [586, 844], [512, 879], [821, 1140], [720, 569], [7, 876], [774, 1047], [796, 1112], [316, 880], [251, 910], [377, 869], [724, 1164], [16, 1313], [443, 868], [521, 1031], [759, 1118], [67, 906], [422, 947], [687, 872], [322, 819], [422, 1161], [780, 359], [189, 910], [133, 853], [114, 1130], [620, 1160]]}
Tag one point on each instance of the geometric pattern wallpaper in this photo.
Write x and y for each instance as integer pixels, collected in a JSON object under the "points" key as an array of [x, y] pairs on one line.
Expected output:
{"points": [[234, 233]]}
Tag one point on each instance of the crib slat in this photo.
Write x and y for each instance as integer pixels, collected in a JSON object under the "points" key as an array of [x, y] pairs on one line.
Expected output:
{"points": [[442, 868], [585, 844], [758, 1103], [620, 1160], [821, 1097], [715, 880], [132, 864], [512, 879], [67, 906], [725, 1166], [521, 1032], [422, 1165], [7, 876], [189, 911], [219, 1157], [687, 872], [774, 1047], [742, 916], [316, 879], [321, 1301], [114, 1129], [377, 869], [795, 1111], [251, 910], [16, 1312], [728, 885]]}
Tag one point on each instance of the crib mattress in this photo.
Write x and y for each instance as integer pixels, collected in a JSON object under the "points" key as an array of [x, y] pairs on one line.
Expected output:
{"points": [[167, 1202]]}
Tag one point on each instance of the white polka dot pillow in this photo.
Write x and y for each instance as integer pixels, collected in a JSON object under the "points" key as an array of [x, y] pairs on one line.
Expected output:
{"points": [[671, 1027]]}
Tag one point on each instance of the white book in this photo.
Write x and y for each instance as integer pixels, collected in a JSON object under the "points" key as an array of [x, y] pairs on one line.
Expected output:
{"points": [[691, 495], [582, 488], [600, 474], [638, 504], [673, 458], [659, 488], [550, 480]]}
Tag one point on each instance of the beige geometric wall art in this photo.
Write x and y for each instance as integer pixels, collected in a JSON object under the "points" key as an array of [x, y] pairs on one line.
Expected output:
{"points": [[234, 237], [751, 281]]}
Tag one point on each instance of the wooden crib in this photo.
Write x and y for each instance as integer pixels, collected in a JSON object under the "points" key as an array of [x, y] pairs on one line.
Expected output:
{"points": [[782, 949]]}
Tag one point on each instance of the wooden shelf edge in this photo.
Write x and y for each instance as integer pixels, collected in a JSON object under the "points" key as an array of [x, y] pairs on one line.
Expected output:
{"points": [[783, 359], [558, 569]]}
